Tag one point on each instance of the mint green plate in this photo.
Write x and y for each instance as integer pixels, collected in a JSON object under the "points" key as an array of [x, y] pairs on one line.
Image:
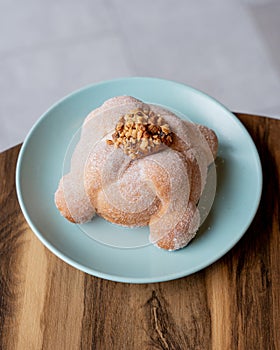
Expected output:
{"points": [[239, 184]]}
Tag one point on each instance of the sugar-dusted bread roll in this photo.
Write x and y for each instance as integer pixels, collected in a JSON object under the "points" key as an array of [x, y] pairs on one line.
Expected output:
{"points": [[138, 164]]}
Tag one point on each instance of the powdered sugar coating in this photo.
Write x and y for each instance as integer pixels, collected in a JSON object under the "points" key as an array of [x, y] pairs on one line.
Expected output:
{"points": [[160, 189]]}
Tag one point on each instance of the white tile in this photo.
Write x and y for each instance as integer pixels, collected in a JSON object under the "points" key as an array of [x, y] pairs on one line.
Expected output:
{"points": [[267, 21], [211, 45], [271, 111], [32, 82], [257, 2], [36, 23], [50, 48]]}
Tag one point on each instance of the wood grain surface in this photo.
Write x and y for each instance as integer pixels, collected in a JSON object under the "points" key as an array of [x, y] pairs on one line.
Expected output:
{"points": [[233, 304]]}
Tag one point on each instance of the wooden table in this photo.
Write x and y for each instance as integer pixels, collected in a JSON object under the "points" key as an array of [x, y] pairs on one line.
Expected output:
{"points": [[232, 304]]}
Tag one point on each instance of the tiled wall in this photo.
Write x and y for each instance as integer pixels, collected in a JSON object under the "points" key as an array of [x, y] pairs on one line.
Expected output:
{"points": [[229, 49]]}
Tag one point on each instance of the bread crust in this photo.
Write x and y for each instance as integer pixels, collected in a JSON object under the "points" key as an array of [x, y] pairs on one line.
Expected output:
{"points": [[160, 190]]}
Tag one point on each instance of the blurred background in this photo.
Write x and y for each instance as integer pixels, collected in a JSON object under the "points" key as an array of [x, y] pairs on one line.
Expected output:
{"points": [[229, 49]]}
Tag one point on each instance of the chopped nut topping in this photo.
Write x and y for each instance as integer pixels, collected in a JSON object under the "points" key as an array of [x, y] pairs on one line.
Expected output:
{"points": [[119, 126], [165, 129], [141, 132]]}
